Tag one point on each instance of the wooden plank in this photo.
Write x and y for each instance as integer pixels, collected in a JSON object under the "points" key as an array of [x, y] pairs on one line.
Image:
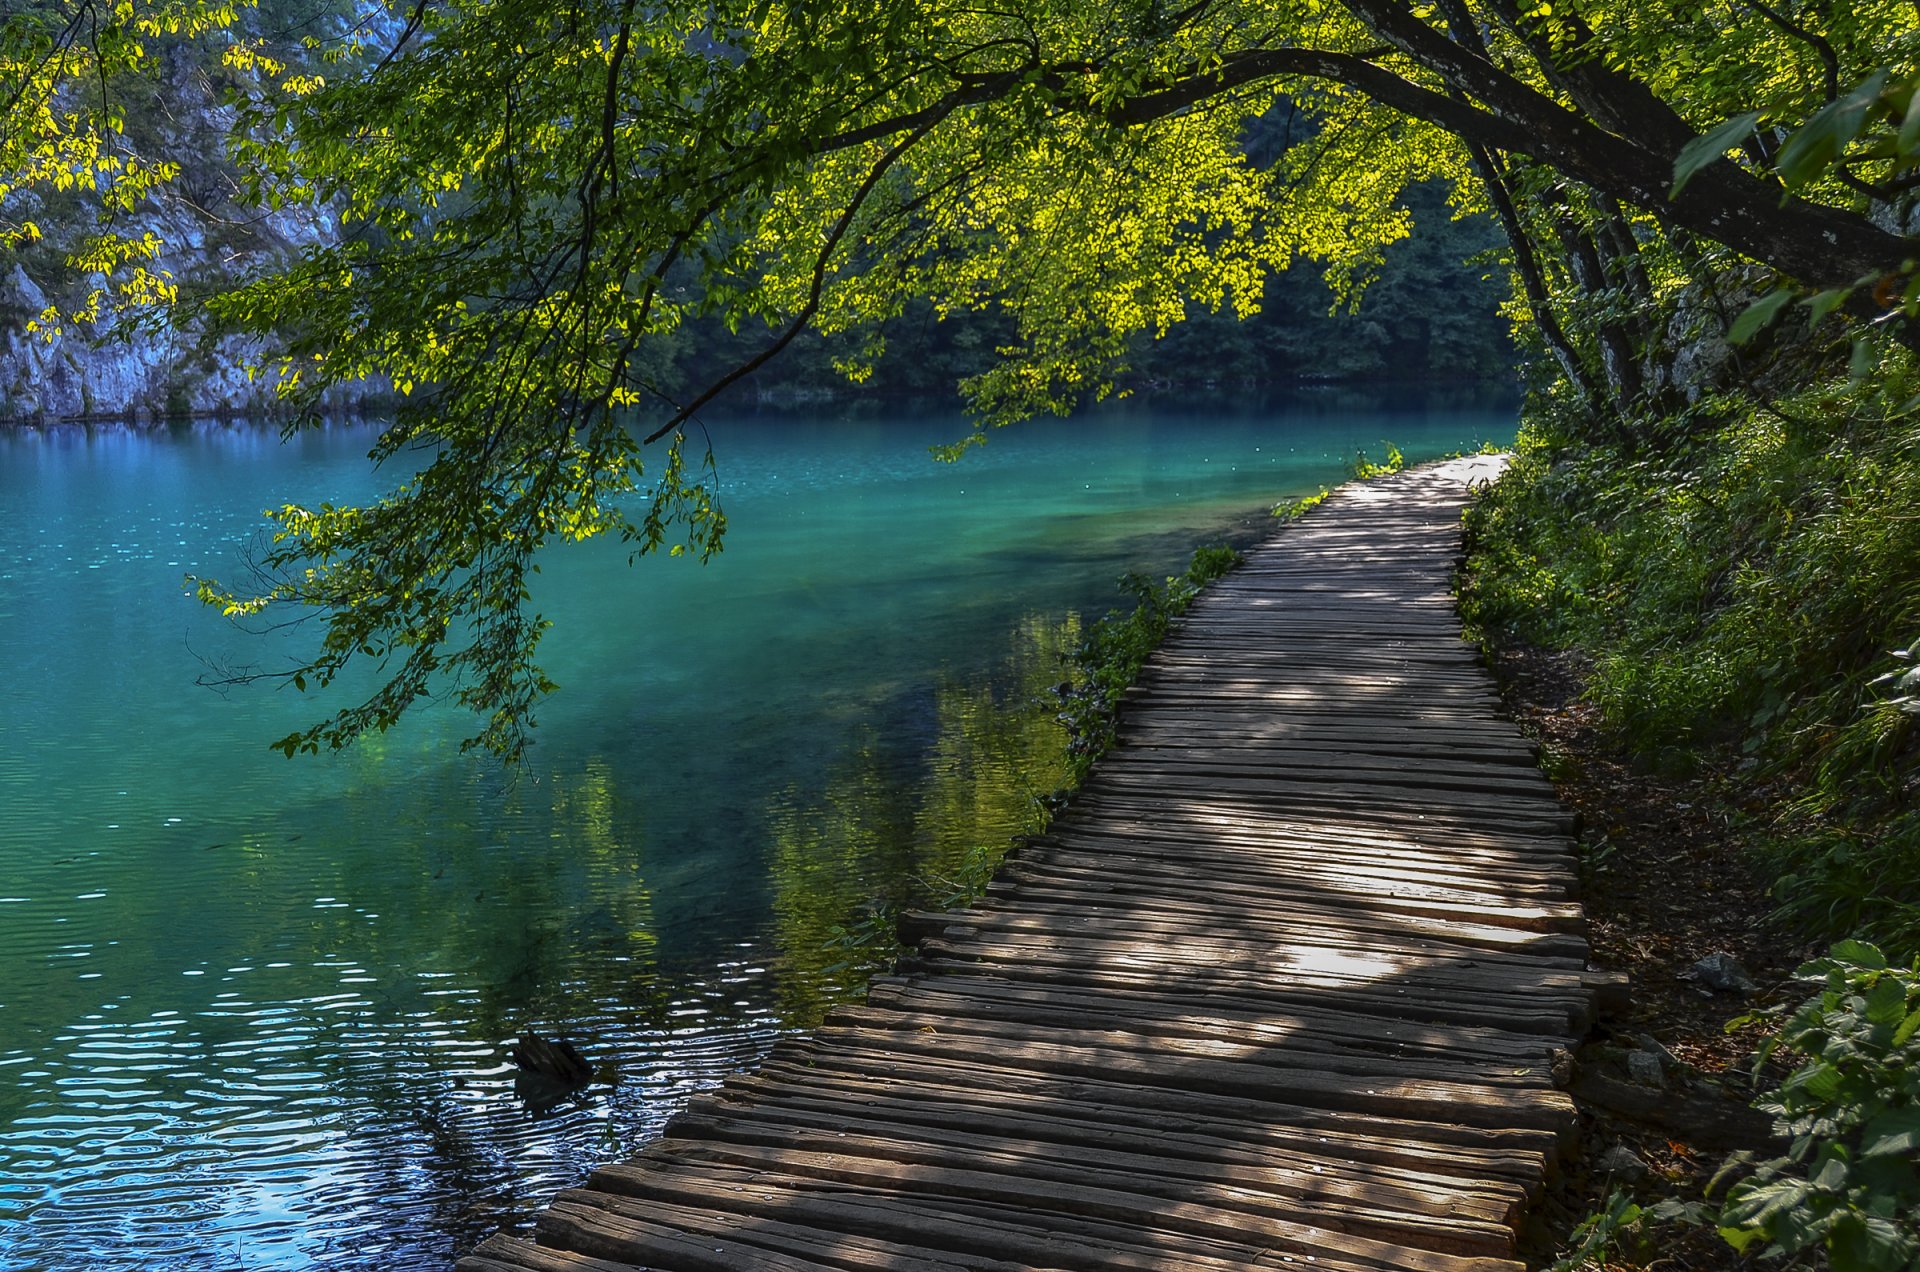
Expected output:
{"points": [[1301, 800], [1417, 994], [1006, 1023], [1251, 841], [1404, 1096], [1475, 1159], [1168, 765], [502, 1253], [598, 1231], [1250, 1215], [982, 1228], [1308, 934], [1316, 1024], [1238, 875], [1209, 1018], [1351, 895], [1518, 1011], [1257, 838], [772, 1231], [1174, 1150], [1439, 1220]]}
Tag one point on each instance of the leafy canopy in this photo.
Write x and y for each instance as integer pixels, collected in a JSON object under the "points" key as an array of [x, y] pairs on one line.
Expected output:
{"points": [[533, 196]]}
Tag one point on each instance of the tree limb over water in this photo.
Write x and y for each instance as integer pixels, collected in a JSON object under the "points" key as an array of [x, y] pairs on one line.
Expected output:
{"points": [[535, 198]]}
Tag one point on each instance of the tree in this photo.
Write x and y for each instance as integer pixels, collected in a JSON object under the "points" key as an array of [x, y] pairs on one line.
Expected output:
{"points": [[535, 195]]}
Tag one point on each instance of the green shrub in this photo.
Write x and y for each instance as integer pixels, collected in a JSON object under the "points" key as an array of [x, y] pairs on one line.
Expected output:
{"points": [[1364, 469], [1742, 581], [1594, 1241], [1116, 647], [1850, 1181]]}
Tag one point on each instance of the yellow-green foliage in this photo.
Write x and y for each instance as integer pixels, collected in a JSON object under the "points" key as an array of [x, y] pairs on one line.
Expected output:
{"points": [[533, 197]]}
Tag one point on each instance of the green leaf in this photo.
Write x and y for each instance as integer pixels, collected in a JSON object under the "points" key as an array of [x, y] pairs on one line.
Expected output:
{"points": [[1822, 1082], [1862, 953], [1861, 365], [1895, 1131], [1818, 143], [1833, 1172], [1909, 138], [1704, 150], [1755, 1204], [1871, 1245], [1755, 318], [1886, 1002], [1825, 303]]}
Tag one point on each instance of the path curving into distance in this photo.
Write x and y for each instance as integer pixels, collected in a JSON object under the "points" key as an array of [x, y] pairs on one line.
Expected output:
{"points": [[1281, 988]]}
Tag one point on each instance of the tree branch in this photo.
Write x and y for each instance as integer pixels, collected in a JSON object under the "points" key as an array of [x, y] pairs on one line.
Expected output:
{"points": [[821, 264]]}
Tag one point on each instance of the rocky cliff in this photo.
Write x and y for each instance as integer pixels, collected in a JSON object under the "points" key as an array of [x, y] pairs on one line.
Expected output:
{"points": [[145, 362]]}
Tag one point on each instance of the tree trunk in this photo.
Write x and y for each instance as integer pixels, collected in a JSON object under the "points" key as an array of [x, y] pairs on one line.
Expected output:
{"points": [[1533, 281]]}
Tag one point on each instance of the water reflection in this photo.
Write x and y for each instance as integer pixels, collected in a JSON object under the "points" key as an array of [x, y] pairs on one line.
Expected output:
{"points": [[347, 1044]]}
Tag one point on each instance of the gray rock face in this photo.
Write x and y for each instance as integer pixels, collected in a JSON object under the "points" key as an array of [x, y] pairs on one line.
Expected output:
{"points": [[141, 363], [1645, 1068]]}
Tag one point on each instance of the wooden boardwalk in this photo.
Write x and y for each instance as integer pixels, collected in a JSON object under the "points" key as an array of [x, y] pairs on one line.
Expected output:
{"points": [[1282, 987]]}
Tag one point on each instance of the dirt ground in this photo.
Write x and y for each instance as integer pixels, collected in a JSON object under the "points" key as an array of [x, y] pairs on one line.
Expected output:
{"points": [[1665, 884]]}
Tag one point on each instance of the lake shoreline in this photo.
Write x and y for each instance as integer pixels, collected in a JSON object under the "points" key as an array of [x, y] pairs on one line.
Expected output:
{"points": [[853, 401]]}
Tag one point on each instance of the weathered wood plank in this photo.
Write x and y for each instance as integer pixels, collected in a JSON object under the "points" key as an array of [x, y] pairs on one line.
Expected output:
{"points": [[1233, 877], [1207, 1017], [1519, 1011], [1438, 1217], [984, 1228], [1243, 1215], [1520, 1153], [1252, 840], [1176, 1151]]}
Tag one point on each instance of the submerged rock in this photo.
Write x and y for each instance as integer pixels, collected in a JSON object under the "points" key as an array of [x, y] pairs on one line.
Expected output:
{"points": [[551, 1069], [551, 1058]]}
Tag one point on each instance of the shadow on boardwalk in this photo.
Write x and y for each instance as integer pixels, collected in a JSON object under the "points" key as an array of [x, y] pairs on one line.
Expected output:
{"points": [[1283, 986]]}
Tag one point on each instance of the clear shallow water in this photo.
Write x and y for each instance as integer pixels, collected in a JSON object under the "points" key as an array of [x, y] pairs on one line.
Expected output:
{"points": [[255, 1013]]}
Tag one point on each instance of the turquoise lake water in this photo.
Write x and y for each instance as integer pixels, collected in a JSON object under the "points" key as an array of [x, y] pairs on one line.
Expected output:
{"points": [[255, 1013]]}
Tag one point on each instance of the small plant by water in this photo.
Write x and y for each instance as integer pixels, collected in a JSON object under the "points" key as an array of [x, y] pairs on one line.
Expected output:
{"points": [[1117, 646], [1360, 468], [1364, 469]]}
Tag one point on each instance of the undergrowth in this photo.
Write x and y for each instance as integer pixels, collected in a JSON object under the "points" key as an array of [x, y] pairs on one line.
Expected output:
{"points": [[1743, 579], [1117, 646], [1848, 1185]]}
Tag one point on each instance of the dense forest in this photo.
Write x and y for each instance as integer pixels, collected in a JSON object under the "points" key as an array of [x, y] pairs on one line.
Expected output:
{"points": [[537, 224]]}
